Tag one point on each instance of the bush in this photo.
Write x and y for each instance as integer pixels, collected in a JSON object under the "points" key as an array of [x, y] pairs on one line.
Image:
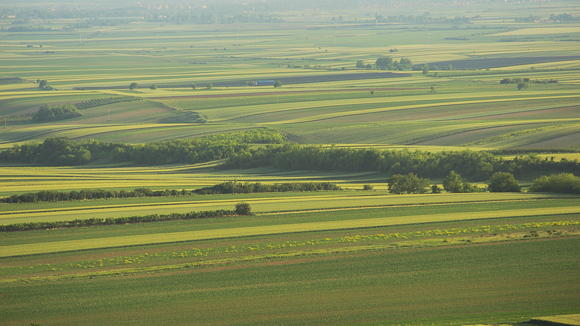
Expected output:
{"points": [[453, 182], [410, 183], [503, 182], [243, 209], [368, 187], [565, 183]]}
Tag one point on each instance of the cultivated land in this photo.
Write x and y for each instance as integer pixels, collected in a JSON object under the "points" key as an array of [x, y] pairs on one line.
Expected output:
{"points": [[310, 258]]}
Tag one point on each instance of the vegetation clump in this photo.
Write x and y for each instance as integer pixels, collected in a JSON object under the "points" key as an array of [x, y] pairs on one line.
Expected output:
{"points": [[565, 183], [410, 184], [503, 182], [59, 112]]}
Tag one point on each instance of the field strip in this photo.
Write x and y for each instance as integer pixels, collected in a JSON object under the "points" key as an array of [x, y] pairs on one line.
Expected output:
{"points": [[149, 239], [416, 106], [129, 207], [260, 205], [390, 103]]}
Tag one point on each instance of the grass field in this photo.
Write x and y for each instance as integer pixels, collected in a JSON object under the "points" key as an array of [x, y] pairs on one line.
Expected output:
{"points": [[304, 258]]}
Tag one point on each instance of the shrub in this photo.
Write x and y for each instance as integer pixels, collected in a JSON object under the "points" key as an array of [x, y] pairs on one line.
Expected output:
{"points": [[410, 183], [565, 183], [503, 182], [368, 187], [243, 209]]}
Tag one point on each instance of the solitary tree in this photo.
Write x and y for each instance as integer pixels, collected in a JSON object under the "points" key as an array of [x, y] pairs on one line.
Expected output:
{"points": [[193, 86], [453, 182], [360, 64], [154, 87], [133, 86], [425, 69], [209, 86], [432, 89], [522, 86], [503, 182], [410, 183], [277, 84], [243, 209]]}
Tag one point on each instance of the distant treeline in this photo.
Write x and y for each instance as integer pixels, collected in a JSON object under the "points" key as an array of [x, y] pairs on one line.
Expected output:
{"points": [[422, 19], [117, 220], [62, 151], [13, 80], [470, 164], [222, 188], [527, 80]]}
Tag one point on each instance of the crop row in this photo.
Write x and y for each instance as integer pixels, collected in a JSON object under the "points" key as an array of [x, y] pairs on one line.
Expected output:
{"points": [[105, 101]]}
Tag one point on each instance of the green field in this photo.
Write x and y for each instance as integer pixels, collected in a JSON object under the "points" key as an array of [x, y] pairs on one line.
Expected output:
{"points": [[345, 257]]}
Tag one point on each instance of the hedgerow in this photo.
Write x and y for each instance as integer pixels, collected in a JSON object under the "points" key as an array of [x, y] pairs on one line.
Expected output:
{"points": [[118, 220], [222, 188]]}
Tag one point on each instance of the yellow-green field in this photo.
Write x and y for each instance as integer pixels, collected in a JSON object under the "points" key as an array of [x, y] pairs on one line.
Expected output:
{"points": [[343, 257]]}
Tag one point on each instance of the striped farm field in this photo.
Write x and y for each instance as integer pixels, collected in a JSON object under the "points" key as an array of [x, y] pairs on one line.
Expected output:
{"points": [[43, 248], [357, 256], [263, 256]]}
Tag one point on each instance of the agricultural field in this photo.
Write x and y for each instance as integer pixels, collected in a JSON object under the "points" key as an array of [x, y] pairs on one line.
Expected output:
{"points": [[149, 78]]}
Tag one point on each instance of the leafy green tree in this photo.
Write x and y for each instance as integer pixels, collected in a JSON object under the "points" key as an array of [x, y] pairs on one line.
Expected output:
{"points": [[522, 86], [43, 84], [243, 209], [453, 182], [368, 187], [503, 182], [133, 86], [432, 89], [153, 87], [209, 85], [566, 183], [360, 64], [277, 84], [410, 183], [193, 86], [469, 187], [425, 69], [406, 63], [384, 63]]}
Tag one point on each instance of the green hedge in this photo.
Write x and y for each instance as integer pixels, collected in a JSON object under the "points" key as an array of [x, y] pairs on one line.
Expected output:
{"points": [[116, 220]]}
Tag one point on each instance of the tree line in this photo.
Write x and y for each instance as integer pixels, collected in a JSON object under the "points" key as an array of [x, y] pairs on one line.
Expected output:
{"points": [[229, 187], [474, 165], [62, 151], [242, 209]]}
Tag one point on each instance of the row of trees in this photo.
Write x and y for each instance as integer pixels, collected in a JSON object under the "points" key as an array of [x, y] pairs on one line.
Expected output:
{"points": [[62, 151], [475, 165], [388, 63], [412, 184], [242, 209], [222, 188]]}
